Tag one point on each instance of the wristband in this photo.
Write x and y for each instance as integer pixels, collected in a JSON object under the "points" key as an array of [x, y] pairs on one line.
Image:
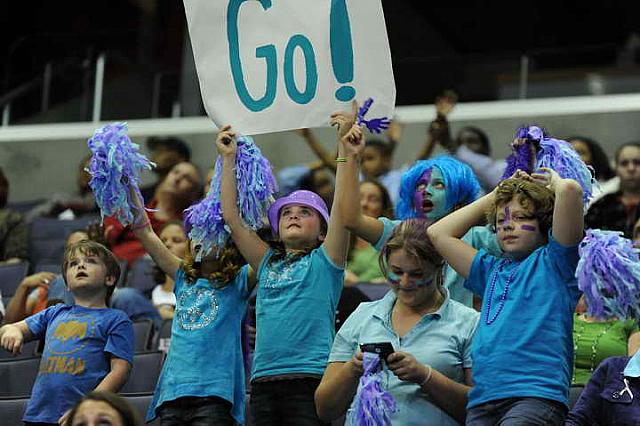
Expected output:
{"points": [[341, 160], [426, 380], [141, 225]]}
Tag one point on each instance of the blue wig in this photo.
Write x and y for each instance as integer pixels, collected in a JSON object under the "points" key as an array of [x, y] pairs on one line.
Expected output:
{"points": [[460, 182]]}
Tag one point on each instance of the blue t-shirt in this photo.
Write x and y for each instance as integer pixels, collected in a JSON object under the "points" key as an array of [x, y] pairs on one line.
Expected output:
{"points": [[205, 356], [527, 350], [478, 237], [295, 314], [441, 339], [79, 343]]}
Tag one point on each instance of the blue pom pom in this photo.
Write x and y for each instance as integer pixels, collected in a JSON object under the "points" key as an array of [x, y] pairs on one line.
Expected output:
{"points": [[256, 188], [116, 163], [609, 275]]}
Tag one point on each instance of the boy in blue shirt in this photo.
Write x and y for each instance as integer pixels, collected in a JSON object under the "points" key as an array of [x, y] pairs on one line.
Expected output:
{"points": [[88, 346], [523, 348]]}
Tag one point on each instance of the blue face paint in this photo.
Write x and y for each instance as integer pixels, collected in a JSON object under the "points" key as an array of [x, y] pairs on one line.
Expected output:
{"points": [[395, 280], [430, 197]]}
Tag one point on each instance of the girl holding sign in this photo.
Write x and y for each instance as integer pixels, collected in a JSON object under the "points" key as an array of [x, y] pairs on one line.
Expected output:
{"points": [[300, 280]]}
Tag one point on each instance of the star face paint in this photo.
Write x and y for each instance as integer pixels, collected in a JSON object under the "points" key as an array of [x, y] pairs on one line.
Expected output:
{"points": [[430, 197]]}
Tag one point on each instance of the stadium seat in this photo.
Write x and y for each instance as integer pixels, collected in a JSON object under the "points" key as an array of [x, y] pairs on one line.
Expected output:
{"points": [[161, 340], [373, 291], [145, 372], [574, 394], [28, 351], [47, 251], [11, 276], [141, 402], [12, 410], [142, 331], [141, 276], [48, 266], [17, 376]]}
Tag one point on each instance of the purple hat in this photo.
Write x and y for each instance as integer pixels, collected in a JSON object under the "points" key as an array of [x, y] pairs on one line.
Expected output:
{"points": [[302, 197]]}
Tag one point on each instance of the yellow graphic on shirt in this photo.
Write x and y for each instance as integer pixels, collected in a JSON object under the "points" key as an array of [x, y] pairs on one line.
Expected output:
{"points": [[70, 330], [62, 365]]}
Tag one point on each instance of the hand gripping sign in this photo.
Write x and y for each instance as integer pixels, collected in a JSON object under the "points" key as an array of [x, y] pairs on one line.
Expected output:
{"points": [[272, 65]]}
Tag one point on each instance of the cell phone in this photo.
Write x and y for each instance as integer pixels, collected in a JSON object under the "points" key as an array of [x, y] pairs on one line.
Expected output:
{"points": [[383, 349]]}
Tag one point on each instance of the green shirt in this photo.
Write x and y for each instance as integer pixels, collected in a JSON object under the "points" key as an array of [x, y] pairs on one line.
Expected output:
{"points": [[364, 263], [595, 341]]}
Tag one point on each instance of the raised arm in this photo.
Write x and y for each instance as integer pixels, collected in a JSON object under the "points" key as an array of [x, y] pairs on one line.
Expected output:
{"points": [[336, 243], [568, 218], [368, 228], [323, 155], [161, 255], [250, 245], [446, 234]]}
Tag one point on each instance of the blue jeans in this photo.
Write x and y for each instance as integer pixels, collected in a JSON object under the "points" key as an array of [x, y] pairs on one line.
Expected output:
{"points": [[196, 411], [284, 402], [518, 411]]}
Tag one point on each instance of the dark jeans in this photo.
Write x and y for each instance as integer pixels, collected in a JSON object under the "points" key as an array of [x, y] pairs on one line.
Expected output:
{"points": [[196, 411], [285, 402], [518, 411]]}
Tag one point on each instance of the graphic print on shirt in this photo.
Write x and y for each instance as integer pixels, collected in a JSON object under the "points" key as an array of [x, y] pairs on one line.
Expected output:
{"points": [[65, 342], [196, 308], [284, 274]]}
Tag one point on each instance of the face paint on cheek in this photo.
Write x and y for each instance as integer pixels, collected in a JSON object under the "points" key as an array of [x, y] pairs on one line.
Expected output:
{"points": [[395, 280], [418, 195], [530, 228], [438, 197]]}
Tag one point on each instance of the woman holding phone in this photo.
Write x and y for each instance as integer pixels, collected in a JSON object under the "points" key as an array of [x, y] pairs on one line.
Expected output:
{"points": [[429, 371]]}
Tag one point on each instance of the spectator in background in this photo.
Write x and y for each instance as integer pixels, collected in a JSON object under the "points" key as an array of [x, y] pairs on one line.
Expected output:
{"points": [[165, 153], [163, 297], [179, 189], [14, 243], [70, 206], [377, 159], [619, 211], [362, 259], [593, 155], [320, 181], [471, 145]]}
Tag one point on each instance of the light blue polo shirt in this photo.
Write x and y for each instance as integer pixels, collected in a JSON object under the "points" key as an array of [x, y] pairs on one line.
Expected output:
{"points": [[479, 237], [525, 347], [441, 339]]}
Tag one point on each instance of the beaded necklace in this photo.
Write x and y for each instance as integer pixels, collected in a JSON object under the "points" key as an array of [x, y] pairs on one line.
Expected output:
{"points": [[594, 345], [503, 296]]}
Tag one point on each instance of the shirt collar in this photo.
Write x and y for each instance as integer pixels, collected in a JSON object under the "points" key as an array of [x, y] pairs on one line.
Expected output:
{"points": [[385, 305], [633, 366]]}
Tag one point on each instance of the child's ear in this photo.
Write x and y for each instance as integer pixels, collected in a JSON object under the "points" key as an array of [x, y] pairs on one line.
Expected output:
{"points": [[321, 237], [110, 281]]}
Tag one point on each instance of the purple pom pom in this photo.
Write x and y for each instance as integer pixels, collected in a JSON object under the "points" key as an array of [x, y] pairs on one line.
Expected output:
{"points": [[256, 188], [609, 275], [520, 160], [115, 165], [372, 405]]}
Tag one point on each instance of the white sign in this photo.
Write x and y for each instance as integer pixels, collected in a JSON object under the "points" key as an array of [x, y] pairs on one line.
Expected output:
{"points": [[272, 65]]}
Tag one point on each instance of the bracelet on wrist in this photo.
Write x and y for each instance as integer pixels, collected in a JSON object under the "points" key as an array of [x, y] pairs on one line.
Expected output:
{"points": [[142, 225], [426, 379], [341, 160]]}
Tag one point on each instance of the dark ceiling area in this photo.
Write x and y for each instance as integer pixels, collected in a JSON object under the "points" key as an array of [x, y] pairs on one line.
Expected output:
{"points": [[467, 46]]}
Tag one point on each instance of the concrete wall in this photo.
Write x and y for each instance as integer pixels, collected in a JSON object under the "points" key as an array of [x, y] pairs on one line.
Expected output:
{"points": [[39, 168]]}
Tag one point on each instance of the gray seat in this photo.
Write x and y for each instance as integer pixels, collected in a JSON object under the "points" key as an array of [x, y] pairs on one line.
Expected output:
{"points": [[12, 410], [11, 276], [574, 394], [28, 351], [141, 403], [145, 372], [17, 376], [142, 332]]}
